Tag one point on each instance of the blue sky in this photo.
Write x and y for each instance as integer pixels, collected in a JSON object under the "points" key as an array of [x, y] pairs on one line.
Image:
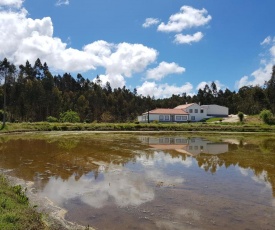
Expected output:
{"points": [[159, 47]]}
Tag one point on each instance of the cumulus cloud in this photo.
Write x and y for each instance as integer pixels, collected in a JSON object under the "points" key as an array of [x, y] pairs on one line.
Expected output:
{"points": [[28, 39], [159, 158], [163, 90], [114, 80], [187, 39], [187, 18], [62, 2], [129, 58], [163, 70], [11, 3], [150, 21], [219, 85], [125, 190], [263, 73]]}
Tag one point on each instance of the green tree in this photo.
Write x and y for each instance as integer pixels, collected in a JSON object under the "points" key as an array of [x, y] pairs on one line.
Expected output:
{"points": [[69, 116], [270, 90], [7, 71], [82, 106]]}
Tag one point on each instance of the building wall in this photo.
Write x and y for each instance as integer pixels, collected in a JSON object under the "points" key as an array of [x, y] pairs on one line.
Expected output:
{"points": [[163, 118], [216, 110], [196, 112], [154, 117]]}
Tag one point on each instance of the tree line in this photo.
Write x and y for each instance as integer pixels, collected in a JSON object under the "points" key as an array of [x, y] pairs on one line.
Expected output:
{"points": [[33, 93]]}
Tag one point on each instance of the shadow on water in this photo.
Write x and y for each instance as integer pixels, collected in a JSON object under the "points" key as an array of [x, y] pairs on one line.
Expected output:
{"points": [[151, 182]]}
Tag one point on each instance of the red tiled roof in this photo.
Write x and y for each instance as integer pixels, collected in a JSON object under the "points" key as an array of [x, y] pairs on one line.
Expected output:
{"points": [[168, 111]]}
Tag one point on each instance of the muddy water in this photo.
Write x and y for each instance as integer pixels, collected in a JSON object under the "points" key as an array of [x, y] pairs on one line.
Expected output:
{"points": [[130, 181]]}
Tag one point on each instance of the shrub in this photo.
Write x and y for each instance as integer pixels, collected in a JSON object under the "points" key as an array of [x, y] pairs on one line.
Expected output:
{"points": [[241, 116], [69, 116], [266, 116], [2, 114], [51, 119]]}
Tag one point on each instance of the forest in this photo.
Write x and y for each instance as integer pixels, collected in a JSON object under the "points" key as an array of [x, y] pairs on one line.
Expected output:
{"points": [[31, 93]]}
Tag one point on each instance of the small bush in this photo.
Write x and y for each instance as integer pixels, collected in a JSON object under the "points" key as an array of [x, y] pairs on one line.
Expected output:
{"points": [[241, 116], [69, 116], [51, 119], [267, 117]]}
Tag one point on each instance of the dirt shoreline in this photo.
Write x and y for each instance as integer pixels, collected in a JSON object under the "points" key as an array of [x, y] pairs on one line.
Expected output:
{"points": [[54, 216]]}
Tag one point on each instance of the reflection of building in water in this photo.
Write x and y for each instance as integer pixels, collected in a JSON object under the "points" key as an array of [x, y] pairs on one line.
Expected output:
{"points": [[190, 146]]}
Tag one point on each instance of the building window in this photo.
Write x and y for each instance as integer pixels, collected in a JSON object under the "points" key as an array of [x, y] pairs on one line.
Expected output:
{"points": [[167, 118], [196, 111], [190, 110], [201, 110], [166, 140], [161, 117], [180, 140], [193, 118], [180, 118]]}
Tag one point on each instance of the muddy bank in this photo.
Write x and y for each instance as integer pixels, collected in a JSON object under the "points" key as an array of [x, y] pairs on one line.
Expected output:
{"points": [[53, 216]]}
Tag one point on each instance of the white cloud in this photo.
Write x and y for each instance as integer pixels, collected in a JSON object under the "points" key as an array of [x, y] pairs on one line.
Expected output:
{"points": [[187, 18], [219, 85], [124, 190], [150, 21], [263, 73], [163, 90], [114, 80], [187, 39], [11, 3], [28, 39], [243, 171], [163, 70], [129, 58], [258, 77], [272, 51], [267, 40], [159, 158], [62, 2]]}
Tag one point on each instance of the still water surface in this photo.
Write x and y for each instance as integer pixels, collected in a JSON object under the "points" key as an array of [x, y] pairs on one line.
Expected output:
{"points": [[134, 181]]}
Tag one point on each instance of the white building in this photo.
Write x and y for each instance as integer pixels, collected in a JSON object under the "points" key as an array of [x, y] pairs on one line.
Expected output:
{"points": [[184, 113]]}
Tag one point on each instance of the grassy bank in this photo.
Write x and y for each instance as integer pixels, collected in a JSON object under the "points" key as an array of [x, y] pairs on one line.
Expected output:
{"points": [[198, 126], [15, 211]]}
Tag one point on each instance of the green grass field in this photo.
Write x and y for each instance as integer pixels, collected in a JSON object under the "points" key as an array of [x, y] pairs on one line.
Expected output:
{"points": [[250, 124], [15, 211]]}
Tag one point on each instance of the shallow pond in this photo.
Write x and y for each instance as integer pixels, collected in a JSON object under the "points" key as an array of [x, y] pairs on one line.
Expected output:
{"points": [[147, 181]]}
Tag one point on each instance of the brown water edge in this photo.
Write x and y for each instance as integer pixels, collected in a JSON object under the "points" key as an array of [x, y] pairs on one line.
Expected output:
{"points": [[53, 216], [129, 182]]}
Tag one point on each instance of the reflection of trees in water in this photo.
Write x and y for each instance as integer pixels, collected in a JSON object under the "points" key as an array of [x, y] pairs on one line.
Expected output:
{"points": [[209, 163], [68, 144], [259, 158], [38, 160]]}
